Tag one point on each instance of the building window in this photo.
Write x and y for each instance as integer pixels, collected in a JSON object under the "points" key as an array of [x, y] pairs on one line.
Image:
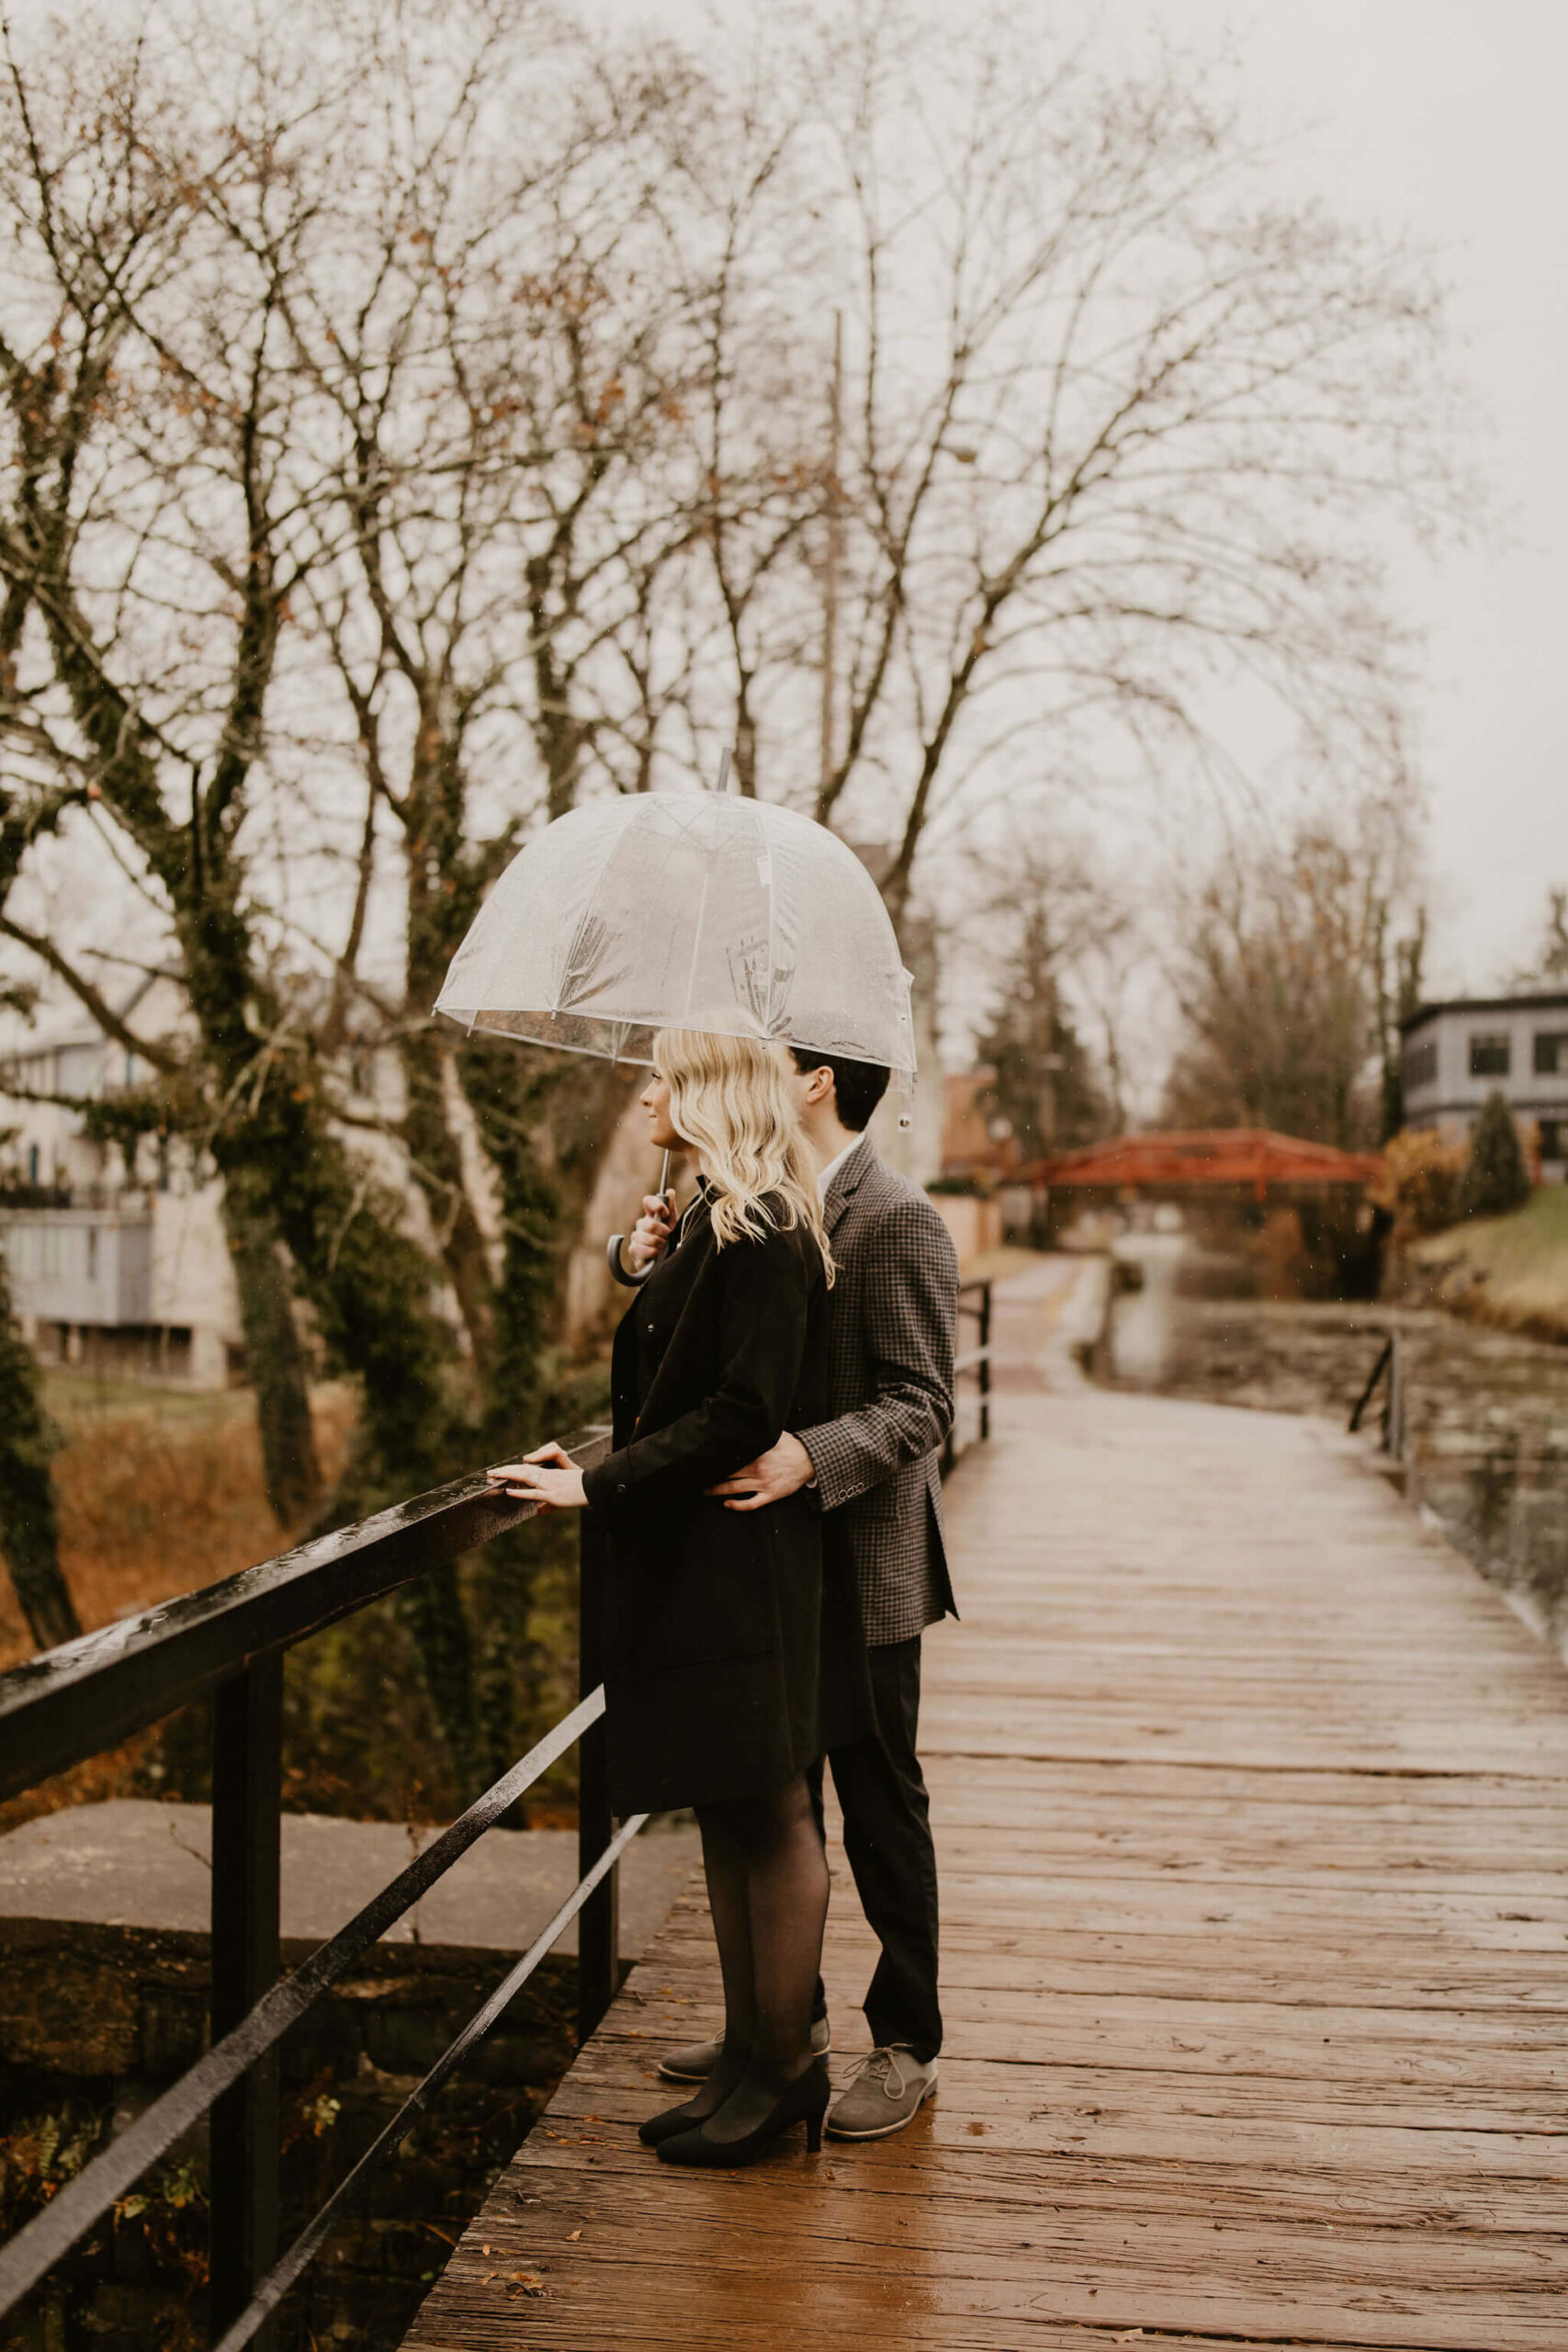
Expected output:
{"points": [[1489, 1056], [1421, 1064], [32, 1163], [1554, 1139], [1551, 1053]]}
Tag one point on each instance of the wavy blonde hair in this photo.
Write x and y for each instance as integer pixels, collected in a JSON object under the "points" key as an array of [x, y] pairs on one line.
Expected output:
{"points": [[730, 1099]]}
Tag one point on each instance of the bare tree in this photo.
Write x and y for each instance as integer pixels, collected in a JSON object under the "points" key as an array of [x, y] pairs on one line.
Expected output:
{"points": [[150, 547], [1548, 967], [500, 358], [1113, 425], [355, 458], [1284, 978], [1031, 914]]}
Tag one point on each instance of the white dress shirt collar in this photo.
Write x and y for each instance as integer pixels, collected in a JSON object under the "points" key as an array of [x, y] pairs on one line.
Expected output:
{"points": [[828, 1174]]}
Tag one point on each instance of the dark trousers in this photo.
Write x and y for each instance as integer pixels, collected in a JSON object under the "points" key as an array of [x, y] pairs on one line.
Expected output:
{"points": [[887, 1836]]}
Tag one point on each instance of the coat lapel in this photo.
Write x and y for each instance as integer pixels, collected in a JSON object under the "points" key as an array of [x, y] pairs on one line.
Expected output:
{"points": [[847, 1182]]}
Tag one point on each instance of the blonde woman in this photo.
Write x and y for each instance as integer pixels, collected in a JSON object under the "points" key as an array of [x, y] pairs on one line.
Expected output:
{"points": [[714, 1680]]}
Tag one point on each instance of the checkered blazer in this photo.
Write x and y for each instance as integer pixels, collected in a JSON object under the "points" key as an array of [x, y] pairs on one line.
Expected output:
{"points": [[892, 1313]]}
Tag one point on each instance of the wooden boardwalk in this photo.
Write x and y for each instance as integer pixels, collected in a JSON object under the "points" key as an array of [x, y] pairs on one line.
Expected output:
{"points": [[1252, 1808]]}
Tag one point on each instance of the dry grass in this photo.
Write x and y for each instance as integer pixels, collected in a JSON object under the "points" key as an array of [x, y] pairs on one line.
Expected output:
{"points": [[1508, 1271], [159, 1493]]}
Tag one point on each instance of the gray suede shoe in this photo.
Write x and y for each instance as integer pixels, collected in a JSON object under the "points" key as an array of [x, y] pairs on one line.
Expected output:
{"points": [[890, 2086], [697, 2060]]}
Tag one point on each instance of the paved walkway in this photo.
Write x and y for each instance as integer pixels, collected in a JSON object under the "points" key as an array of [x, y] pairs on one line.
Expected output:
{"points": [[1252, 1807]]}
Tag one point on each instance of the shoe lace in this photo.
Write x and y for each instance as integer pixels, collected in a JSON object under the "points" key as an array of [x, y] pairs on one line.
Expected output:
{"points": [[881, 2066]]}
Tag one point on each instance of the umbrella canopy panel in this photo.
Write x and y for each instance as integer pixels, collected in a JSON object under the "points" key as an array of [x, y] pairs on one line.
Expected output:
{"points": [[697, 911]]}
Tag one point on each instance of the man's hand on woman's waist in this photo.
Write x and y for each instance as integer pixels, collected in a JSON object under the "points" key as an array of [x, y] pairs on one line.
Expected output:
{"points": [[782, 1471]]}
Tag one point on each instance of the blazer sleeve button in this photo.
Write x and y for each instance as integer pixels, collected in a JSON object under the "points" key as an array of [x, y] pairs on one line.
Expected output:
{"points": [[620, 1491]]}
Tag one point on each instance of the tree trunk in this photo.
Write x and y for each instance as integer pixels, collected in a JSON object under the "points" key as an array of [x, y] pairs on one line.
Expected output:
{"points": [[30, 1521], [274, 1361], [441, 902], [545, 1120], [436, 1154]]}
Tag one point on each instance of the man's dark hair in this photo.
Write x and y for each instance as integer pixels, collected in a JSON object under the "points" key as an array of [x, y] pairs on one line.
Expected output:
{"points": [[858, 1087]]}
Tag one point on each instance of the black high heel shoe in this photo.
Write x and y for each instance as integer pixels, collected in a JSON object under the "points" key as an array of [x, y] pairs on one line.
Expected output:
{"points": [[804, 2101], [671, 2122]]}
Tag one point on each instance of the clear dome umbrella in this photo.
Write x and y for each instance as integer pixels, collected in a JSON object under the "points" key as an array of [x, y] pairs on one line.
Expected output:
{"points": [[686, 911]]}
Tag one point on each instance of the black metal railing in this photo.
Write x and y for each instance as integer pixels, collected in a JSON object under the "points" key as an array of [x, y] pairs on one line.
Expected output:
{"points": [[1388, 1369], [972, 1363], [229, 1639]]}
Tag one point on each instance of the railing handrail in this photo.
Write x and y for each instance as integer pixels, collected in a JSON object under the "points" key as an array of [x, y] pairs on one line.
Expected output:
{"points": [[83, 2200], [90, 1693], [973, 1298], [1384, 1362], [271, 2289]]}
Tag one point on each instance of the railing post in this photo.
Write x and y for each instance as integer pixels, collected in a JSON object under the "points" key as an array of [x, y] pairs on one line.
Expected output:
{"points": [[247, 1776], [1394, 1403], [599, 1921], [985, 1359]]}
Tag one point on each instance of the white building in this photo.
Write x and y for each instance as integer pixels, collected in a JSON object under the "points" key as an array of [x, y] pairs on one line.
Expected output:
{"points": [[1456, 1054], [122, 1272]]}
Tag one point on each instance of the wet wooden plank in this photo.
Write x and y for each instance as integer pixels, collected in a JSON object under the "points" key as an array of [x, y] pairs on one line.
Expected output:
{"points": [[1252, 1804]]}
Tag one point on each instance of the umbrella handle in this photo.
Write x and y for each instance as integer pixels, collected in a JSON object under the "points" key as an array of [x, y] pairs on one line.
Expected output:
{"points": [[664, 1177]]}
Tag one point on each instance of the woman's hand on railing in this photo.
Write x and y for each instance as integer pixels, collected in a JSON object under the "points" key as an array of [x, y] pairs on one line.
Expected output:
{"points": [[649, 1236], [547, 1476]]}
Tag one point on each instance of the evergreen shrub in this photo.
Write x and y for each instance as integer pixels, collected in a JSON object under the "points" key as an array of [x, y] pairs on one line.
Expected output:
{"points": [[1495, 1179]]}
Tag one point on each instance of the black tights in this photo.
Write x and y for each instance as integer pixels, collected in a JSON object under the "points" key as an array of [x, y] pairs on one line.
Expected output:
{"points": [[767, 1876]]}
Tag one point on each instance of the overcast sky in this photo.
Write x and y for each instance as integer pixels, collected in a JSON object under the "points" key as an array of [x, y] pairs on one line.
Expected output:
{"points": [[1444, 117]]}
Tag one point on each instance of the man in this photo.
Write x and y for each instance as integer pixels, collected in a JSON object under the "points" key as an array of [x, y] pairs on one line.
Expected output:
{"points": [[875, 1468]]}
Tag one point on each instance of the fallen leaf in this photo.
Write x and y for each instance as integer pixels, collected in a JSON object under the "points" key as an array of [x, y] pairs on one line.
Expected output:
{"points": [[573, 2236]]}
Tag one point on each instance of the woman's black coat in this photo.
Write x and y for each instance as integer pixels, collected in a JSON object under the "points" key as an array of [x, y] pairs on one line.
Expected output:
{"points": [[712, 1624]]}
